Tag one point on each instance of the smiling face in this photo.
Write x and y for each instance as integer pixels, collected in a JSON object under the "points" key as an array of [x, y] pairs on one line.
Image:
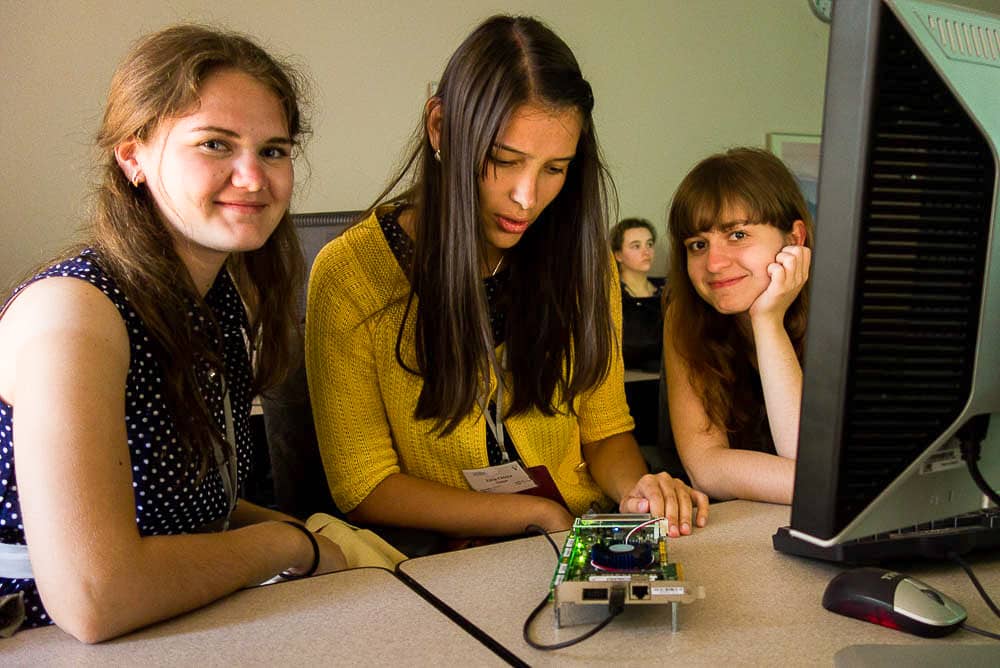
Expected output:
{"points": [[727, 264], [526, 169], [221, 176], [637, 251]]}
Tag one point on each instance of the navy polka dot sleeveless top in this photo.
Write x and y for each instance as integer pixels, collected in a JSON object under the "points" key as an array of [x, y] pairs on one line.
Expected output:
{"points": [[169, 499]]}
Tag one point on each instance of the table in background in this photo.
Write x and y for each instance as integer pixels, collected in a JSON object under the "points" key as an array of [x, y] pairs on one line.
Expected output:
{"points": [[638, 375], [761, 607], [359, 617]]}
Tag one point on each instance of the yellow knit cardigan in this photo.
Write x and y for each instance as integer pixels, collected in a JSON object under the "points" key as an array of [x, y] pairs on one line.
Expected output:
{"points": [[363, 401]]}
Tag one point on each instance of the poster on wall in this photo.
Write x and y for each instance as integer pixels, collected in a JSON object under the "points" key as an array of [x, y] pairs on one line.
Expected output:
{"points": [[801, 154]]}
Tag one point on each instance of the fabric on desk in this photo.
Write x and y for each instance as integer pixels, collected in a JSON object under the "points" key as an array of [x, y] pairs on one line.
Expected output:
{"points": [[12, 613], [361, 547], [168, 497], [363, 400]]}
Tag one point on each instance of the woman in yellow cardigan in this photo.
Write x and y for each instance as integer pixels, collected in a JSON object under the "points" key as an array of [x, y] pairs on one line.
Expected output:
{"points": [[494, 259]]}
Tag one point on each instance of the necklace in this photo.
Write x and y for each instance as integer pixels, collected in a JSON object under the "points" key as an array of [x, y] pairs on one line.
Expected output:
{"points": [[499, 262]]}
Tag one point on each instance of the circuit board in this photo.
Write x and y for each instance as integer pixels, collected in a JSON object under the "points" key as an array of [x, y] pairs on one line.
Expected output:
{"points": [[616, 559]]}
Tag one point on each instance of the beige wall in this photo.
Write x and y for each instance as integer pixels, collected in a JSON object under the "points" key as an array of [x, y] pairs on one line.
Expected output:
{"points": [[674, 80]]}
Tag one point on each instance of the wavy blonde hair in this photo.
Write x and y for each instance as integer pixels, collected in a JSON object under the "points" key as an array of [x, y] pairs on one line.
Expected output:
{"points": [[159, 79]]}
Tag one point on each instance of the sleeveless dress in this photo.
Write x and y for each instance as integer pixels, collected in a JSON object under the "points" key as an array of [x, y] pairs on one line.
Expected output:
{"points": [[642, 328], [169, 498]]}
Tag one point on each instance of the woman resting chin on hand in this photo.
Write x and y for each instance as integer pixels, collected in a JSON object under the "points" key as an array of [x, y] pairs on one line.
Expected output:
{"points": [[735, 324]]}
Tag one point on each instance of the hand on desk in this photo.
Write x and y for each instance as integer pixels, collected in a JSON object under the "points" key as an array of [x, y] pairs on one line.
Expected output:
{"points": [[664, 496]]}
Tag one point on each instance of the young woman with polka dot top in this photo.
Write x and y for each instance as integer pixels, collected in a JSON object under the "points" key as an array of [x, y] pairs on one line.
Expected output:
{"points": [[125, 367]]}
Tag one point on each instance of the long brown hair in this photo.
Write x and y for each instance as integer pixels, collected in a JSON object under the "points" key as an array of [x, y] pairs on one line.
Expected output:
{"points": [[713, 346], [159, 79], [560, 342]]}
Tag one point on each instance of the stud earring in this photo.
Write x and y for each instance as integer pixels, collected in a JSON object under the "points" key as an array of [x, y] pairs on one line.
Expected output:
{"points": [[437, 155]]}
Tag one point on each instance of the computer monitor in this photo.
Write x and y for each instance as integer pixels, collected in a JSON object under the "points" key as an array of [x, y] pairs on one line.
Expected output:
{"points": [[903, 343]]}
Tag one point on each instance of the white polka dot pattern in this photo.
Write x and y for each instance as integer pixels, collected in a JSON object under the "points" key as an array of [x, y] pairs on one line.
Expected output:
{"points": [[169, 498]]}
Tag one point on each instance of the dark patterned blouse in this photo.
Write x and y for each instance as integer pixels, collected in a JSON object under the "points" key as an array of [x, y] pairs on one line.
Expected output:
{"points": [[169, 498]]}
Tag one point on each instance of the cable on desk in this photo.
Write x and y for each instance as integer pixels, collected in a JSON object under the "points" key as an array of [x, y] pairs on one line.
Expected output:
{"points": [[982, 632], [616, 605], [534, 528], [975, 581]]}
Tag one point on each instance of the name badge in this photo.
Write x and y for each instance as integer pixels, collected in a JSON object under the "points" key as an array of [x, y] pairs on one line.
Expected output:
{"points": [[508, 478]]}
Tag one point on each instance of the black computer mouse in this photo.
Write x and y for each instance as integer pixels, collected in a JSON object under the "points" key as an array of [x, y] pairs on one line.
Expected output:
{"points": [[893, 600]]}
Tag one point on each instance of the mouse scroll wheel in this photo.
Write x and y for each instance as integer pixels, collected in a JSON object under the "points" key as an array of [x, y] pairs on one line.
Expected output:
{"points": [[933, 595]]}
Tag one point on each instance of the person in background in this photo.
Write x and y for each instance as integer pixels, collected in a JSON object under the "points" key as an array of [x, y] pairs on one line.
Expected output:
{"points": [[633, 242], [461, 340], [128, 360], [735, 323]]}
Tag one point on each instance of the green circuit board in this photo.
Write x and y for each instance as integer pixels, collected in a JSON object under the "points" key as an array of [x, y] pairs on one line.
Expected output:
{"points": [[609, 562], [596, 550]]}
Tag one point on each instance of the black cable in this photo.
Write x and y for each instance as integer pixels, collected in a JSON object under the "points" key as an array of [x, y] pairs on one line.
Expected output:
{"points": [[971, 436], [975, 581], [988, 634], [616, 606], [534, 528], [977, 476]]}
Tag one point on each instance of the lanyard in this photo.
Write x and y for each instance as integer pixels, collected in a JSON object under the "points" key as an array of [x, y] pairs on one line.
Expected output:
{"points": [[227, 465], [495, 421]]}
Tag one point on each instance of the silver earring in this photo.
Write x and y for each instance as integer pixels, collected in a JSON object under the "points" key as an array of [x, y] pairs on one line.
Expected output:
{"points": [[437, 155]]}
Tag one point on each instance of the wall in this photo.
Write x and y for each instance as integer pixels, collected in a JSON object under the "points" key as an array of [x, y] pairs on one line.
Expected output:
{"points": [[674, 80]]}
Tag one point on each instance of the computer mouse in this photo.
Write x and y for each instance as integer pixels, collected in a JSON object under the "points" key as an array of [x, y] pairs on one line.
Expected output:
{"points": [[894, 600]]}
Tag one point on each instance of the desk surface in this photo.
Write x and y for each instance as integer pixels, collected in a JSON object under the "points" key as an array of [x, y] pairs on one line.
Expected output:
{"points": [[359, 617], [761, 607]]}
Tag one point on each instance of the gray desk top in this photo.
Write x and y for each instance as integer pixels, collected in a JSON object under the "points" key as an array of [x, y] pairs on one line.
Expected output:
{"points": [[761, 607], [359, 617]]}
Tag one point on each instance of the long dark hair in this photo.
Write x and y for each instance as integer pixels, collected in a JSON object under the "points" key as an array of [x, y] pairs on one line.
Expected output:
{"points": [[712, 345], [159, 79], [561, 339]]}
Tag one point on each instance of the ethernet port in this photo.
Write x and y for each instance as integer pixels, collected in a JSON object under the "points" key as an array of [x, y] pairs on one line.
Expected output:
{"points": [[640, 591]]}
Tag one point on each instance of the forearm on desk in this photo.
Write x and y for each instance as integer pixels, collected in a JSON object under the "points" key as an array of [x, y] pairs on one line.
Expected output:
{"points": [[727, 473], [246, 513], [407, 501]]}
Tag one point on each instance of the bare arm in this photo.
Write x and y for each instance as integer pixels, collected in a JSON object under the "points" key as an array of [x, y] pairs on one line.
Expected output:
{"points": [[780, 372], [618, 468], [714, 467], [781, 380], [408, 501], [98, 578]]}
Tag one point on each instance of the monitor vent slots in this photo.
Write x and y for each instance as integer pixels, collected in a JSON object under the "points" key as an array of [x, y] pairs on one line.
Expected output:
{"points": [[965, 40], [926, 224]]}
